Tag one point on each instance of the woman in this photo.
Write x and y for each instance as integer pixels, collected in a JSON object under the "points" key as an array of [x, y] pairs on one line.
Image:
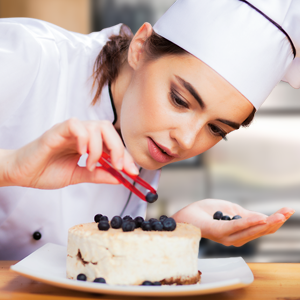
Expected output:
{"points": [[161, 102]]}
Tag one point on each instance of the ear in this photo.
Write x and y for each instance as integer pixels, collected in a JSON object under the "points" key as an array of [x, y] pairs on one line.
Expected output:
{"points": [[136, 46]]}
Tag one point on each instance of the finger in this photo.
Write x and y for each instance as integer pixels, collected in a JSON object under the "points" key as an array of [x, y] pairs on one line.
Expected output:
{"points": [[249, 213], [114, 145], [129, 164], [77, 129], [273, 221], [244, 236], [65, 134], [240, 238], [231, 227], [272, 229], [98, 175], [286, 211], [95, 146], [276, 218]]}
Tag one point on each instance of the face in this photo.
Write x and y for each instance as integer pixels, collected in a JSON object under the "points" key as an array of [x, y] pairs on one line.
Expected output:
{"points": [[177, 107]]}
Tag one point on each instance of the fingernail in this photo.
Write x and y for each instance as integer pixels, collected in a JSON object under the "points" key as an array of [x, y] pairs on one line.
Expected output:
{"points": [[288, 215], [133, 169], [120, 164], [83, 150], [92, 167]]}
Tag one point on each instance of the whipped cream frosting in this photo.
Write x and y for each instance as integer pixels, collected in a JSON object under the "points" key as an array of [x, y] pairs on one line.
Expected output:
{"points": [[129, 258]]}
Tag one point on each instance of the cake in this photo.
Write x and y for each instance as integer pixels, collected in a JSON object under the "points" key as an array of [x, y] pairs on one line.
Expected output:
{"points": [[133, 257]]}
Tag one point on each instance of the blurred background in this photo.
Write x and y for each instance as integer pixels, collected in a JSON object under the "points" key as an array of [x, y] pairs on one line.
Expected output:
{"points": [[258, 167]]}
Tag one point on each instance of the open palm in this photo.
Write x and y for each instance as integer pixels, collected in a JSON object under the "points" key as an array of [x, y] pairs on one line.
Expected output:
{"points": [[235, 232]]}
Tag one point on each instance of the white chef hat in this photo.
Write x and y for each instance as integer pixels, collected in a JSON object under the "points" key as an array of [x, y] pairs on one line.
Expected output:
{"points": [[252, 44]]}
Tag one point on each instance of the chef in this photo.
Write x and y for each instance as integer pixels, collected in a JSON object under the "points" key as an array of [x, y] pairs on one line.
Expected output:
{"points": [[165, 94]]}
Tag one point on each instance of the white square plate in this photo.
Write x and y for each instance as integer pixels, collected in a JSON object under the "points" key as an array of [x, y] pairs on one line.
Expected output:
{"points": [[48, 265]]}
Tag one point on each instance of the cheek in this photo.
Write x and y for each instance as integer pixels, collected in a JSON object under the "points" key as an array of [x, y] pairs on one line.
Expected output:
{"points": [[143, 112], [201, 136], [207, 144], [136, 119], [203, 144]]}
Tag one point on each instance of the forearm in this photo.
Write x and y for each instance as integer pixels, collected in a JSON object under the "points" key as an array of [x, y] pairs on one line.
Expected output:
{"points": [[6, 161]]}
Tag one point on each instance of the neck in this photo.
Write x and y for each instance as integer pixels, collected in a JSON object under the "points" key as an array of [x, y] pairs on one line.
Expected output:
{"points": [[118, 89]]}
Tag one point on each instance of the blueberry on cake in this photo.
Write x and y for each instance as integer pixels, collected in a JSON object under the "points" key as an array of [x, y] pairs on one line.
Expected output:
{"points": [[127, 251]]}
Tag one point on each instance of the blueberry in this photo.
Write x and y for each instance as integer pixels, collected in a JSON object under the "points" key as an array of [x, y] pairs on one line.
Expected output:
{"points": [[153, 220], [104, 218], [126, 218], [150, 197], [156, 283], [162, 218], [37, 235], [226, 218], [116, 222], [128, 226], [103, 225], [236, 217], [218, 215], [97, 218], [147, 282], [138, 221], [100, 280], [146, 226], [81, 277], [157, 226], [169, 224]]}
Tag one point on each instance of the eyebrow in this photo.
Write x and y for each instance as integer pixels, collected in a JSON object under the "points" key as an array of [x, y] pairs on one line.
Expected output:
{"points": [[192, 91], [230, 123], [195, 94]]}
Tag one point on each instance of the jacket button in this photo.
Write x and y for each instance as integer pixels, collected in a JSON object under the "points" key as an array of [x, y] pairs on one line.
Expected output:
{"points": [[37, 235]]}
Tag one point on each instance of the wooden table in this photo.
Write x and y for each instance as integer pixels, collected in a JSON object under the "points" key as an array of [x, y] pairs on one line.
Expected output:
{"points": [[278, 281]]}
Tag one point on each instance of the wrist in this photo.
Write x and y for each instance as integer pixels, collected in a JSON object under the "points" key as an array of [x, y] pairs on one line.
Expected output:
{"points": [[185, 215], [6, 161]]}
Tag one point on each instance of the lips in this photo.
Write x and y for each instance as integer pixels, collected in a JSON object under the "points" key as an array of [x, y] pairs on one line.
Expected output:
{"points": [[157, 154]]}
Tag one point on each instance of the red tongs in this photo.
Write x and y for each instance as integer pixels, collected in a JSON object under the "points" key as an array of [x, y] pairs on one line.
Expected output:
{"points": [[150, 197]]}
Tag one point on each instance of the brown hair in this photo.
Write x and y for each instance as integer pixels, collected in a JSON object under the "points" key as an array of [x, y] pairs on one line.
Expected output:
{"points": [[114, 53], [110, 59]]}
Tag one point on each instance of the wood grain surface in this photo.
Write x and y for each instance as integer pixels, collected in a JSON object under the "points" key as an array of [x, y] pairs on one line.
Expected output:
{"points": [[278, 281]]}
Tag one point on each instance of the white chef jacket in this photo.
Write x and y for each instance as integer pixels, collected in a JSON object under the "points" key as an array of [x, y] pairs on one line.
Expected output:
{"points": [[46, 78]]}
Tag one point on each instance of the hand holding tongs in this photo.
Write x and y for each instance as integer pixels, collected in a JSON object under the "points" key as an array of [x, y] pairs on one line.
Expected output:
{"points": [[149, 197]]}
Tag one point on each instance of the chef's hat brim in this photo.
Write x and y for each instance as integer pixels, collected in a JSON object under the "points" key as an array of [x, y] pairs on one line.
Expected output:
{"points": [[237, 41]]}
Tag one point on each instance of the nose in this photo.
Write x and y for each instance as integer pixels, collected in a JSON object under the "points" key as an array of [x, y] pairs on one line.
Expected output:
{"points": [[186, 134]]}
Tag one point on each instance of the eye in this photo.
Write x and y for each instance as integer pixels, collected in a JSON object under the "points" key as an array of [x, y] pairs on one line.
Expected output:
{"points": [[217, 131], [177, 100]]}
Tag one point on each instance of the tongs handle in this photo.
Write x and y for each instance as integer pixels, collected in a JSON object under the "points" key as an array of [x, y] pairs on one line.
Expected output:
{"points": [[136, 178], [150, 197]]}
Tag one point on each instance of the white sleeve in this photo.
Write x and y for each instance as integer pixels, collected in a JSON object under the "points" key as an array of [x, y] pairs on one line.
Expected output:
{"points": [[292, 75], [20, 55]]}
